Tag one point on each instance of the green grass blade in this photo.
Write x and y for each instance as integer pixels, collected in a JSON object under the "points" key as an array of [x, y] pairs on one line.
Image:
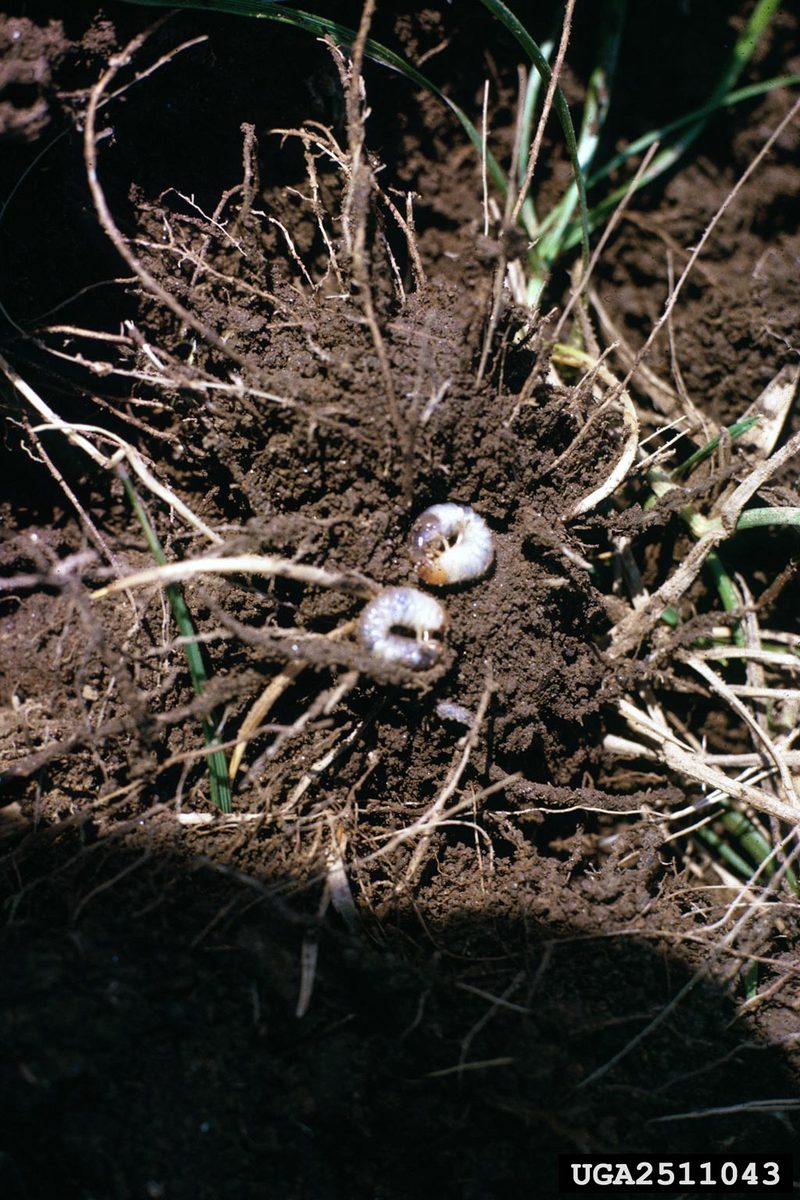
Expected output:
{"points": [[518, 31], [739, 96], [528, 110], [527, 214], [595, 112], [740, 55], [745, 44], [662, 483], [756, 518], [727, 591], [667, 158], [693, 124], [747, 841], [734, 431], [713, 841], [662, 162], [754, 845], [217, 762]]}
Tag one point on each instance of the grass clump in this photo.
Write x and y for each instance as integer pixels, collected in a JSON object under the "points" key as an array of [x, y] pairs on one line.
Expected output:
{"points": [[551, 235]]}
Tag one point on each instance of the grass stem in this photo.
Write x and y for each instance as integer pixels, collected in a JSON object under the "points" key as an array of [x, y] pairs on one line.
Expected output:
{"points": [[217, 763]]}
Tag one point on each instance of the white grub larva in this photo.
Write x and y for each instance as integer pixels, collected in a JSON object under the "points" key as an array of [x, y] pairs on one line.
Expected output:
{"points": [[398, 627], [451, 544]]}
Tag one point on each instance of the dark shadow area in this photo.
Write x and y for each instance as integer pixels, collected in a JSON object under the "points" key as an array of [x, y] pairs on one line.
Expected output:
{"points": [[151, 1045]]}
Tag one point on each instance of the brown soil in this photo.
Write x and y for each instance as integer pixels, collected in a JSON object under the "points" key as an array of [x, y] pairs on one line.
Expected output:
{"points": [[485, 970]]}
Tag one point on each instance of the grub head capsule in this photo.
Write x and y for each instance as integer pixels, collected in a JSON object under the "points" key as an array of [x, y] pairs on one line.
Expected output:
{"points": [[450, 543]]}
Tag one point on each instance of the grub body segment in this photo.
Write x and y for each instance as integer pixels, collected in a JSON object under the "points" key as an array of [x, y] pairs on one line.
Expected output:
{"points": [[399, 626], [451, 543]]}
